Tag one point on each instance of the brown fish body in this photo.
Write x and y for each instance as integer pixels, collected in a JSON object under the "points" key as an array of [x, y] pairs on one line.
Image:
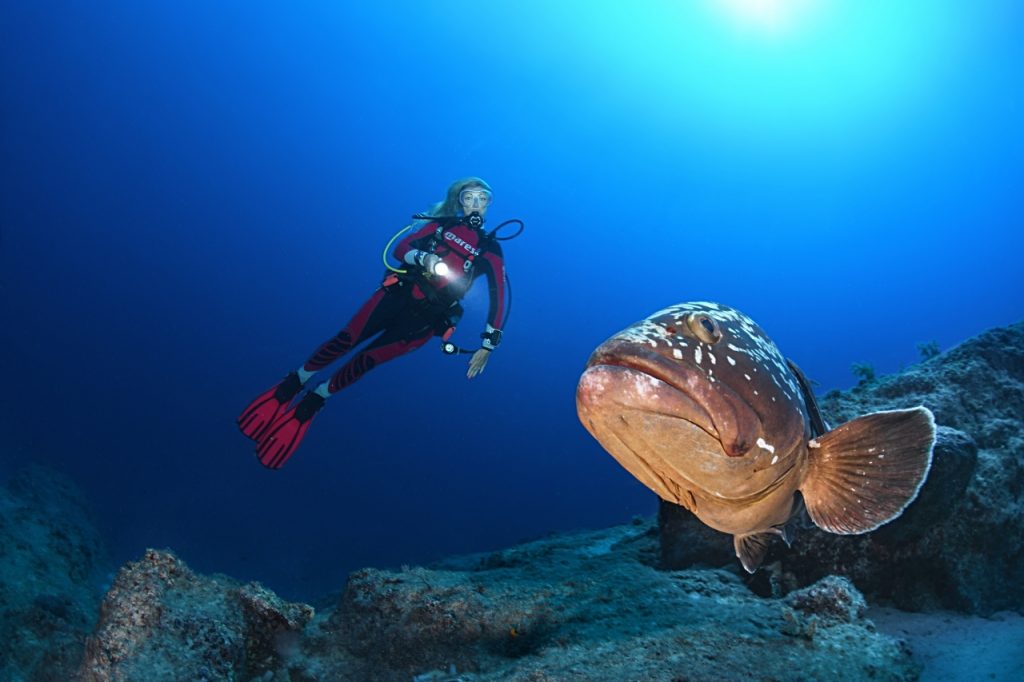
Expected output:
{"points": [[698, 404]]}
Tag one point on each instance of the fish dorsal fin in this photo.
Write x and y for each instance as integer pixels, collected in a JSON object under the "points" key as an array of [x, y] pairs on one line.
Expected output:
{"points": [[865, 472], [819, 426], [750, 549]]}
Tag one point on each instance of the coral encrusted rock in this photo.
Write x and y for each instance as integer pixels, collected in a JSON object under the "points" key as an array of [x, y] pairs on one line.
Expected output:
{"points": [[592, 607], [161, 621]]}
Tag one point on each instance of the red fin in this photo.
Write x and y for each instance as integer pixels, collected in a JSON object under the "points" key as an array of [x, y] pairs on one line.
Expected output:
{"points": [[865, 472], [260, 414]]}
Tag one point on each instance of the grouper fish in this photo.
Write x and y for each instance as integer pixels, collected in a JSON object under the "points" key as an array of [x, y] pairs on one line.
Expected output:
{"points": [[698, 404]]}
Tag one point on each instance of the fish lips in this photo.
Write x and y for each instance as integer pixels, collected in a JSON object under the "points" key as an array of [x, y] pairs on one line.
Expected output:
{"points": [[643, 379]]}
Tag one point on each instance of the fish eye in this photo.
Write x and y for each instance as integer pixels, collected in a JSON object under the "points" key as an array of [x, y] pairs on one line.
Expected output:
{"points": [[704, 327]]}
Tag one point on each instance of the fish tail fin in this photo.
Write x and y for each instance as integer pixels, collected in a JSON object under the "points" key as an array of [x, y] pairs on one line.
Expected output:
{"points": [[751, 549], [865, 472]]}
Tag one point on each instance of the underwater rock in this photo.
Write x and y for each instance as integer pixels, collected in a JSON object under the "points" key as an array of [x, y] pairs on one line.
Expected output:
{"points": [[832, 597], [160, 620], [587, 606], [953, 463], [51, 560], [592, 606], [958, 545]]}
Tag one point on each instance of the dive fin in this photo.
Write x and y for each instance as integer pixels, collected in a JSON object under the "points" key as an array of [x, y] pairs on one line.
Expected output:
{"points": [[865, 472], [751, 549], [285, 435], [268, 406]]}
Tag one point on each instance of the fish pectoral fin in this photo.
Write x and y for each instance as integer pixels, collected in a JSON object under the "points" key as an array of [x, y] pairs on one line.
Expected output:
{"points": [[788, 530], [751, 549], [798, 520], [865, 472]]}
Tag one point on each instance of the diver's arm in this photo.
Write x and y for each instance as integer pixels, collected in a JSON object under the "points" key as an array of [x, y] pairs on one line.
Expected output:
{"points": [[495, 271], [409, 249]]}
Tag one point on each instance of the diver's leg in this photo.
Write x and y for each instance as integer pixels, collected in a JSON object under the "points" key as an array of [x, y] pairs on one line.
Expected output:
{"points": [[258, 417], [390, 345], [286, 433], [367, 321]]}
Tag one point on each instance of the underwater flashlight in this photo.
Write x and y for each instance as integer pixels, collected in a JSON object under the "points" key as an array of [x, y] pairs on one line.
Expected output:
{"points": [[449, 348], [440, 269]]}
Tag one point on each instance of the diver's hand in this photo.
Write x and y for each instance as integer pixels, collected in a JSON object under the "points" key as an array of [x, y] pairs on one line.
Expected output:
{"points": [[478, 362], [429, 262]]}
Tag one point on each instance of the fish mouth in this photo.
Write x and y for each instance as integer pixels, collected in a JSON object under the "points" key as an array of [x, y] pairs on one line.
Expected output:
{"points": [[644, 380], [650, 388]]}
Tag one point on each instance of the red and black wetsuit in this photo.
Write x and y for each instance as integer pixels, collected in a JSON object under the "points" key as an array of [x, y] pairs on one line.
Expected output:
{"points": [[406, 313]]}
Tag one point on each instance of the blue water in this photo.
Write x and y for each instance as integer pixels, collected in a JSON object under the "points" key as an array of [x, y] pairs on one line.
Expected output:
{"points": [[196, 195]]}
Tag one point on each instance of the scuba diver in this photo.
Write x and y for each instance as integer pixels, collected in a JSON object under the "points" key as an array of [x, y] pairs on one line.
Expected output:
{"points": [[443, 254]]}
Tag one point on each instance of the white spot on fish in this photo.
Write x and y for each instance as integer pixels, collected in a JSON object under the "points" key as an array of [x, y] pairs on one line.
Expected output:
{"points": [[814, 444], [677, 354], [775, 459], [765, 446], [712, 356], [697, 354], [756, 393], [747, 376], [731, 361]]}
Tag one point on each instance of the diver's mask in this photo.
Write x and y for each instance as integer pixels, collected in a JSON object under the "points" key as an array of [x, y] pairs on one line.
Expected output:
{"points": [[474, 198]]}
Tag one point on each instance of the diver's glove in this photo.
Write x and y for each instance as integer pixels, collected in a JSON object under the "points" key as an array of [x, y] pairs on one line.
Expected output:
{"points": [[425, 260], [414, 257], [431, 263], [478, 362], [489, 341]]}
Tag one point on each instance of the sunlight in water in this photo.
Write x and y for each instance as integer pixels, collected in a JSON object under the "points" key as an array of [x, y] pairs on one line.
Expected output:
{"points": [[770, 17]]}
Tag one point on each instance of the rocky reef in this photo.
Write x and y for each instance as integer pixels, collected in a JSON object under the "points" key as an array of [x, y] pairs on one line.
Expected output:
{"points": [[586, 606], [52, 562], [661, 600], [960, 544], [161, 621]]}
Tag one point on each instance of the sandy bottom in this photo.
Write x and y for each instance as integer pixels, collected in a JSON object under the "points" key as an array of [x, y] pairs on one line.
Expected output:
{"points": [[952, 646]]}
